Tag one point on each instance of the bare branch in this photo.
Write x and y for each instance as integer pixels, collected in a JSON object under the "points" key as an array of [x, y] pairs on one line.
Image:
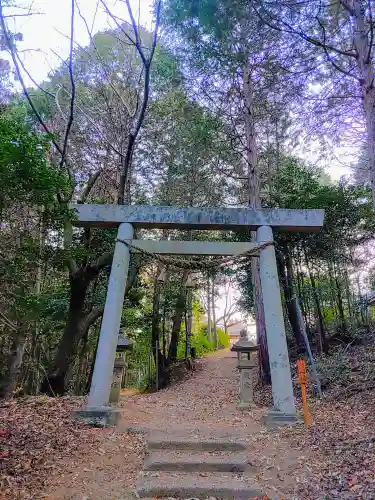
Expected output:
{"points": [[47, 92], [288, 28], [138, 42], [25, 15], [146, 93], [7, 321], [92, 41], [114, 18], [329, 58], [90, 184], [73, 87]]}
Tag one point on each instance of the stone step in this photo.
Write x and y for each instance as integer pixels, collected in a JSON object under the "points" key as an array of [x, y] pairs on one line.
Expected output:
{"points": [[188, 462], [193, 443], [195, 486]]}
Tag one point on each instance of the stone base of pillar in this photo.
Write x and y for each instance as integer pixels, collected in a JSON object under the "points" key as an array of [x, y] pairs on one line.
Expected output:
{"points": [[274, 419], [99, 416], [245, 406]]}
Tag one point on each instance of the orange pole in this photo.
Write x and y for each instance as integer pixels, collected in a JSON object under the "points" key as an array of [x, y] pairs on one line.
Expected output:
{"points": [[303, 381]]}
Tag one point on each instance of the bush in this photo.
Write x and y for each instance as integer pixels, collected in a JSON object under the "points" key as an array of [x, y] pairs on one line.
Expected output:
{"points": [[223, 337], [201, 343]]}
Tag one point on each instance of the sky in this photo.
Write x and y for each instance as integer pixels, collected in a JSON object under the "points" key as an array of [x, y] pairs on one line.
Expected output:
{"points": [[46, 42], [46, 31]]}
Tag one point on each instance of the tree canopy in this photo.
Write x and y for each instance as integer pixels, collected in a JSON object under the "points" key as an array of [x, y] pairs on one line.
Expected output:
{"points": [[216, 104]]}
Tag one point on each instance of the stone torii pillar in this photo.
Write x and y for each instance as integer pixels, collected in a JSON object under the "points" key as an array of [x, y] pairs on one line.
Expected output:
{"points": [[98, 411], [282, 387]]}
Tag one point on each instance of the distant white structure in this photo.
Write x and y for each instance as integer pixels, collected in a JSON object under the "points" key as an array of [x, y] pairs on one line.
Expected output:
{"points": [[234, 330]]}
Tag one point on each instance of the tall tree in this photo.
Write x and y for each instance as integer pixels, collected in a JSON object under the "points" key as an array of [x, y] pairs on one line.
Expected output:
{"points": [[342, 31]]}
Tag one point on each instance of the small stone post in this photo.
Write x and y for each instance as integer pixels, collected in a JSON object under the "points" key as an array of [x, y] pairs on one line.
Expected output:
{"points": [[246, 366], [118, 372], [98, 412], [282, 388], [244, 349]]}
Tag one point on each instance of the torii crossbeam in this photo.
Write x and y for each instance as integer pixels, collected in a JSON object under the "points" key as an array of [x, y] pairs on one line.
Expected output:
{"points": [[231, 219]]}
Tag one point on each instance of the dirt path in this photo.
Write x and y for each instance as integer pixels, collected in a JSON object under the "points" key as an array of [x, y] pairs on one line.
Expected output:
{"points": [[208, 397], [206, 400]]}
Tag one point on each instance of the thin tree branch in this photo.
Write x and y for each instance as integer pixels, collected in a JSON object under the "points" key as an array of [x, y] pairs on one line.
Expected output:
{"points": [[101, 60], [47, 92], [114, 18], [146, 93], [90, 184], [73, 87], [329, 58], [138, 42], [8, 322], [298, 32], [147, 72], [25, 15]]}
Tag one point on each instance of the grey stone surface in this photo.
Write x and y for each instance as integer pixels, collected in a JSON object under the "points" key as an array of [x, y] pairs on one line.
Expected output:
{"points": [[143, 216], [246, 366], [109, 331], [198, 487], [188, 462], [282, 387], [275, 419], [165, 442], [118, 371], [99, 416]]}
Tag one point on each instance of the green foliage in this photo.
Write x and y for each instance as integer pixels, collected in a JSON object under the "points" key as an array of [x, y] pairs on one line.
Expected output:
{"points": [[24, 171], [201, 343], [223, 339]]}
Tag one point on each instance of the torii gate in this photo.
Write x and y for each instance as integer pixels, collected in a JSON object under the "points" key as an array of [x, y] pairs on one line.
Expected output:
{"points": [[126, 218]]}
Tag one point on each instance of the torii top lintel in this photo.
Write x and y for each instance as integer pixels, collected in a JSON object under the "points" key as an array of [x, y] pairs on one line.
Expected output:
{"points": [[145, 216]]}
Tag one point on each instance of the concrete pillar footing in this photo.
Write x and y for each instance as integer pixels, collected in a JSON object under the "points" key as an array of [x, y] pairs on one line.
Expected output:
{"points": [[98, 416], [274, 419], [245, 406]]}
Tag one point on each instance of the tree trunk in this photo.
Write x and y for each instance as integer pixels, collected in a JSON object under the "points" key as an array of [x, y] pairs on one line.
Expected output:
{"points": [[78, 324], [286, 275], [364, 55], [189, 321], [164, 332], [255, 202], [215, 337], [321, 327], [177, 320], [301, 295], [209, 324], [340, 305], [81, 375], [155, 334], [15, 362], [54, 383], [348, 294]]}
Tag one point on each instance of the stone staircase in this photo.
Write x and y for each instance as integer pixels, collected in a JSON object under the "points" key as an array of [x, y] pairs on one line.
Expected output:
{"points": [[192, 464]]}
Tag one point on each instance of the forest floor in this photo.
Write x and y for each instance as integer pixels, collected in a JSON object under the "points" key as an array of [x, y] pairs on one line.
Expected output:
{"points": [[44, 454]]}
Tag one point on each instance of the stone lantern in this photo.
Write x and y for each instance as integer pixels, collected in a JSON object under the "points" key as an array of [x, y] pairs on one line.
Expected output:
{"points": [[244, 347], [123, 345]]}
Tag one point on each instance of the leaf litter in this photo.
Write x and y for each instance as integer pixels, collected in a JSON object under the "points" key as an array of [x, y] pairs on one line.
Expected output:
{"points": [[42, 448], [39, 441]]}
